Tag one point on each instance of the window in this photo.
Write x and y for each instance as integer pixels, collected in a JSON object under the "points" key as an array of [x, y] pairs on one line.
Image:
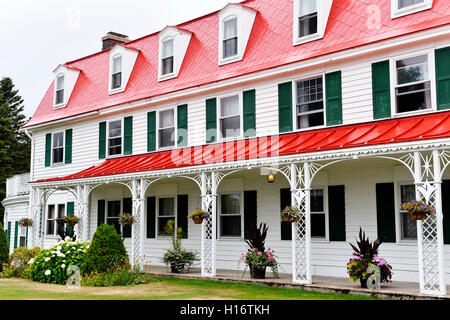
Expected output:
{"points": [[55, 212], [22, 236], [307, 20], [230, 38], [317, 214], [166, 128], [230, 215], [167, 58], [230, 119], [166, 215], [401, 8], [115, 137], [113, 214], [408, 226], [59, 99], [310, 105], [116, 81], [58, 147], [413, 85], [408, 3]]}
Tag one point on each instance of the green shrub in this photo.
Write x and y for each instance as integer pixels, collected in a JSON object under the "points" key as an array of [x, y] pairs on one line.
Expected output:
{"points": [[106, 250], [19, 261], [50, 265], [116, 276], [4, 248]]}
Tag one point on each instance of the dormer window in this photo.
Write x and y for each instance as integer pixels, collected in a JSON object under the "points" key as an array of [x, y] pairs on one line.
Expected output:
{"points": [[230, 38], [310, 20], [402, 4], [307, 21], [401, 8], [59, 96], [167, 57], [116, 81]]}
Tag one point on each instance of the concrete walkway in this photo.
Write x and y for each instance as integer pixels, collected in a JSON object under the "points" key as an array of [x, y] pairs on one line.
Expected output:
{"points": [[395, 290]]}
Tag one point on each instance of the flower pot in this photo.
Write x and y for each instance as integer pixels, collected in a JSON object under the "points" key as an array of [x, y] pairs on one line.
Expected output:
{"points": [[197, 220], [257, 273], [363, 283], [289, 219], [418, 216], [174, 269]]}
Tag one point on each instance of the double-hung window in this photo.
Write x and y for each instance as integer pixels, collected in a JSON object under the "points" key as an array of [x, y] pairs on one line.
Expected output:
{"points": [[230, 215], [116, 80], [413, 84], [167, 58], [230, 38], [58, 148], [307, 19], [112, 217], [166, 129], [22, 236], [166, 216], [230, 118], [310, 104], [55, 212], [115, 138], [59, 99], [317, 214], [408, 226]]}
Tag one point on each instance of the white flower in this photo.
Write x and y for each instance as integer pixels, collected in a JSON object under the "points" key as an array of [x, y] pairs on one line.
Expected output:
{"points": [[48, 272], [58, 248], [63, 266], [31, 261], [47, 259], [67, 239]]}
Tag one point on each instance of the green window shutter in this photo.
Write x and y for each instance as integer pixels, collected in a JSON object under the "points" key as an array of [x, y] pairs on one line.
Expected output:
{"points": [[285, 107], [68, 147], [250, 211], [151, 217], [211, 120], [48, 149], [182, 214], [151, 131], [70, 212], [127, 208], [100, 212], [249, 113], [16, 234], [333, 89], [286, 227], [9, 236], [128, 136], [102, 140], [442, 58], [336, 209], [381, 90], [385, 212], [182, 122], [26, 238], [446, 210]]}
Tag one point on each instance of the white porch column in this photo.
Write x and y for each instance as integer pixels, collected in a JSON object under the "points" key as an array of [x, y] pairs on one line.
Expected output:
{"points": [[82, 228], [35, 207], [301, 238], [209, 204], [138, 228], [43, 196], [430, 231]]}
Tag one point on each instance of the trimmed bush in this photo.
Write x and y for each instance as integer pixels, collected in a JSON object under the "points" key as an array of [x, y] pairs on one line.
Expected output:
{"points": [[115, 276], [106, 250], [19, 261], [4, 248]]}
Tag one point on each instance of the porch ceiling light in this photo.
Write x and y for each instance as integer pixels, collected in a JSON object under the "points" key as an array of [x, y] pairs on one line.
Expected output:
{"points": [[271, 178]]}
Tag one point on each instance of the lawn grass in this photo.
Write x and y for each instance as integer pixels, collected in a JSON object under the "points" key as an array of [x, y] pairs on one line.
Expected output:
{"points": [[161, 289]]}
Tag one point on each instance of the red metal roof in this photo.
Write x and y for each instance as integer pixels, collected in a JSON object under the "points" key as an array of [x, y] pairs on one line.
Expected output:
{"points": [[391, 131], [269, 46]]}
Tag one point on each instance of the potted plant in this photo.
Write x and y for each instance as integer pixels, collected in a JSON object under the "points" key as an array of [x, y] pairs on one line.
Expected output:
{"points": [[198, 215], [71, 221], [26, 222], [257, 258], [179, 259], [365, 255], [418, 210], [291, 214], [126, 219]]}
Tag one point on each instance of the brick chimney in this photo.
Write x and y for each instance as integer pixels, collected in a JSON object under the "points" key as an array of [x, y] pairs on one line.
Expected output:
{"points": [[113, 38]]}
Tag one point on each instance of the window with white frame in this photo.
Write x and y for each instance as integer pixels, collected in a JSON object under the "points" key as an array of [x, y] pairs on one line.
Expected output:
{"points": [[112, 217], [229, 117], [55, 212], [413, 84], [402, 4], [116, 76], [115, 137], [230, 37], [167, 57], [22, 236], [317, 214], [310, 103], [166, 216], [166, 131], [307, 18], [407, 225], [58, 148], [230, 215], [59, 98], [401, 8]]}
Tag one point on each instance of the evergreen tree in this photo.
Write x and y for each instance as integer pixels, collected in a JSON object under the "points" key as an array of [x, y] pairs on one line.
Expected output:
{"points": [[4, 248]]}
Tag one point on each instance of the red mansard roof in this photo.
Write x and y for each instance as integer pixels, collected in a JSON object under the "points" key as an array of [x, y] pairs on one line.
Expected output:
{"points": [[424, 127], [270, 45]]}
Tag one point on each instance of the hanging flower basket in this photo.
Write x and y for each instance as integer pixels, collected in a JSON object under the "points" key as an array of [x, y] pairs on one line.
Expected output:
{"points": [[126, 219], [291, 214], [26, 222], [71, 220], [418, 210], [198, 215]]}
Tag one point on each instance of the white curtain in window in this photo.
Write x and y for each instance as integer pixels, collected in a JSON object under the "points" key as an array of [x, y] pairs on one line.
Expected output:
{"points": [[307, 7], [230, 106], [168, 48], [407, 3], [117, 65], [166, 119], [230, 29], [60, 83]]}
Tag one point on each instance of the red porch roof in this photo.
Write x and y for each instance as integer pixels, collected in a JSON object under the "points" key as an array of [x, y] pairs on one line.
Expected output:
{"points": [[391, 131]]}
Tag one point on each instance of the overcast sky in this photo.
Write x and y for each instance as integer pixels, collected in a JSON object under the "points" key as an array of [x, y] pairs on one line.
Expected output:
{"points": [[38, 35]]}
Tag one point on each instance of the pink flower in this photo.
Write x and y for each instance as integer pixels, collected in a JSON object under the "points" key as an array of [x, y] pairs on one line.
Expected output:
{"points": [[270, 258], [259, 253]]}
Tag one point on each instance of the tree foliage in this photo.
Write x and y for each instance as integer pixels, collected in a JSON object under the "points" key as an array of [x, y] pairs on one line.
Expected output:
{"points": [[4, 248]]}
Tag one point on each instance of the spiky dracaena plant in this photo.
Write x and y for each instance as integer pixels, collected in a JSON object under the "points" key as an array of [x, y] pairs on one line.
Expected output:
{"points": [[257, 238], [366, 248]]}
